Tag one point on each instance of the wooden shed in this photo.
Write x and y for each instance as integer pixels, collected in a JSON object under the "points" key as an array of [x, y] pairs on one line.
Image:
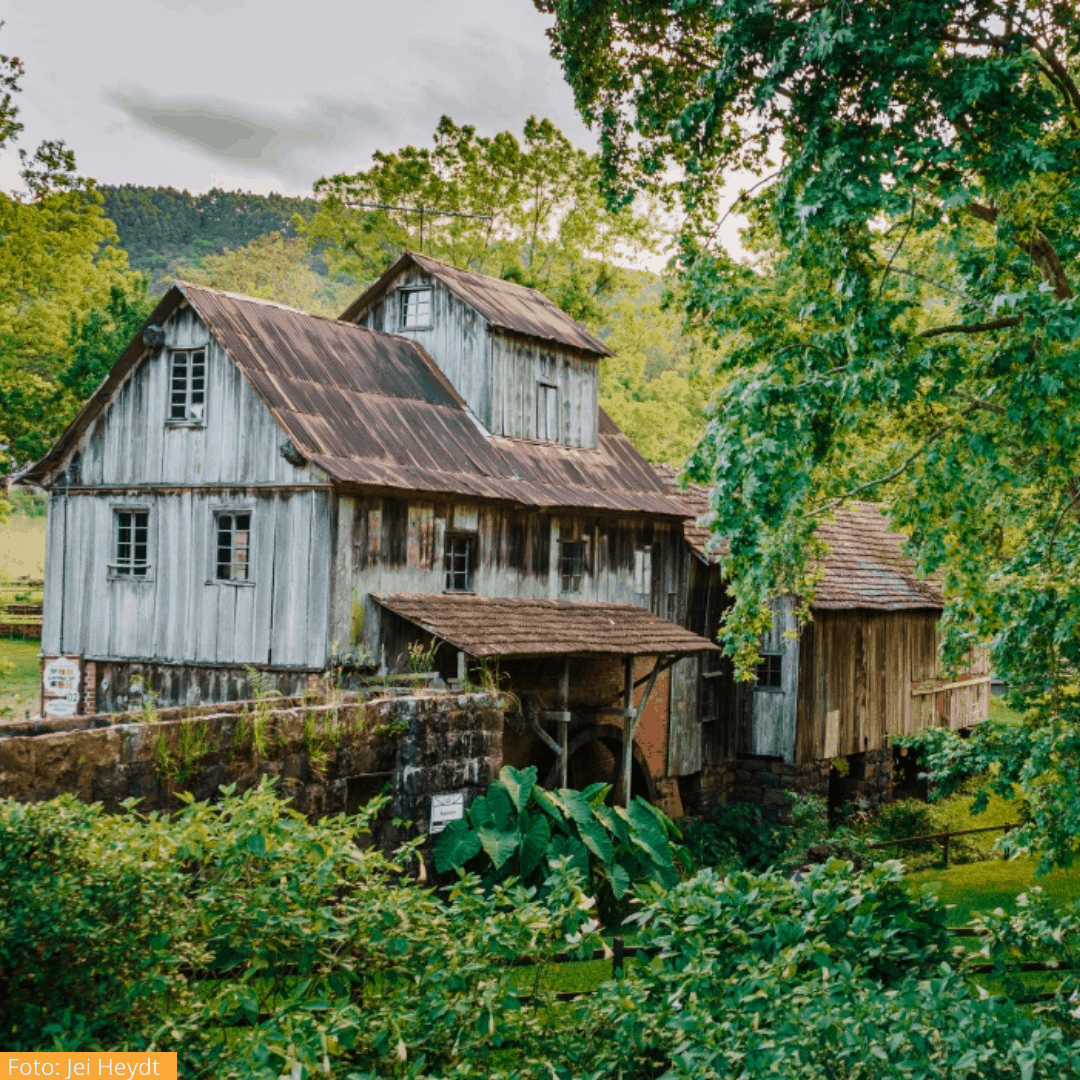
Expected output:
{"points": [[864, 669]]}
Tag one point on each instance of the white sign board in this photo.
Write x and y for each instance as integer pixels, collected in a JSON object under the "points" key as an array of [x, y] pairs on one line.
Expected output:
{"points": [[444, 809], [61, 679], [58, 706]]}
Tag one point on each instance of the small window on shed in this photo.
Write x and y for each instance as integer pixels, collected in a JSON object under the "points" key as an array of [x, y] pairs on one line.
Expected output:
{"points": [[643, 570], [769, 670], [547, 412], [460, 562], [132, 531], [187, 389], [416, 309], [233, 538], [571, 565]]}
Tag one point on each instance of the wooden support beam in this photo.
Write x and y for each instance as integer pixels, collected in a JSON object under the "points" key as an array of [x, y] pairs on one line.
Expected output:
{"points": [[923, 688], [544, 737], [559, 716], [462, 668], [564, 720]]}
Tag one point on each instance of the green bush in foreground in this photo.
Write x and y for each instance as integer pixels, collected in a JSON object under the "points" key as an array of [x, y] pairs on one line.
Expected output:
{"points": [[256, 944]]}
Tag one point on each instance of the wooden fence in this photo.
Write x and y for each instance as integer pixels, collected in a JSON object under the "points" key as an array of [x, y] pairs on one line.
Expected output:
{"points": [[943, 838], [18, 616]]}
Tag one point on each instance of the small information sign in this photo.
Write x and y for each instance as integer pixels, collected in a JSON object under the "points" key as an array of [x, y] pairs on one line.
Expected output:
{"points": [[58, 706], [446, 808], [61, 677]]}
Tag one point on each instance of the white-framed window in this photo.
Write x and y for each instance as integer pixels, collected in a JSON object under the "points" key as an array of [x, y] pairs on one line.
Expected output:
{"points": [[460, 561], [547, 412], [416, 309], [187, 386], [232, 546], [131, 544], [571, 565]]}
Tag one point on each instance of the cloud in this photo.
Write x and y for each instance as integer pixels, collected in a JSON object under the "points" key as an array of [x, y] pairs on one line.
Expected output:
{"points": [[228, 131], [210, 7]]}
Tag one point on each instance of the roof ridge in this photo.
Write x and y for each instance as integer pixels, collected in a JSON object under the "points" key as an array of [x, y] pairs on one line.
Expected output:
{"points": [[183, 283]]}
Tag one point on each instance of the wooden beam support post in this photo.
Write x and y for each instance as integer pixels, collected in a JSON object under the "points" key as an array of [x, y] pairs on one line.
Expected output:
{"points": [[564, 725]]}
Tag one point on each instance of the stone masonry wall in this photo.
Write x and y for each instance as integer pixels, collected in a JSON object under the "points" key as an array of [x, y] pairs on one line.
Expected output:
{"points": [[327, 758]]}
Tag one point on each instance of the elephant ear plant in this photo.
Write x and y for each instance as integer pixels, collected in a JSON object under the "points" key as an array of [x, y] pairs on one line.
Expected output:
{"points": [[517, 829]]}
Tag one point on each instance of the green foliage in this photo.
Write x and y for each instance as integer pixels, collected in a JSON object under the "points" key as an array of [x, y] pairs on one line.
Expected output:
{"points": [[257, 944], [161, 228], [542, 220], [273, 268], [518, 830], [908, 329]]}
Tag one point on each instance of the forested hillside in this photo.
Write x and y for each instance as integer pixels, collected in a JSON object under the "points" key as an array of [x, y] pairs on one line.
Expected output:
{"points": [[161, 228]]}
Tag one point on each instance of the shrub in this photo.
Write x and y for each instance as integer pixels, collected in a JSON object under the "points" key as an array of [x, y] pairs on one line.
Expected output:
{"points": [[517, 829]]}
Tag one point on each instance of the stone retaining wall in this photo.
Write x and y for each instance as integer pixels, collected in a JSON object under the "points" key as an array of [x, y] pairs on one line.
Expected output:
{"points": [[327, 758]]}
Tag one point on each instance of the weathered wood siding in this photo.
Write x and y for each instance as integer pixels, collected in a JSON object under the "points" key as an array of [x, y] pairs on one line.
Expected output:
{"points": [[684, 735], [133, 442], [520, 364], [180, 613], [497, 373], [858, 671], [397, 545], [774, 710], [458, 340]]}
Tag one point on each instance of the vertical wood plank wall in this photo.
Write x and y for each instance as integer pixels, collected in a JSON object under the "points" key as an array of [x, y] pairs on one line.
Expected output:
{"points": [[497, 372], [857, 675]]}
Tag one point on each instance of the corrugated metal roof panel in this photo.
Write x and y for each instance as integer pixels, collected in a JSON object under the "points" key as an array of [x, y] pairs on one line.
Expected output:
{"points": [[513, 626]]}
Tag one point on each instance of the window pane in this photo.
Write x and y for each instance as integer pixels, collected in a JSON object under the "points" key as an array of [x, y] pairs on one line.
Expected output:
{"points": [[178, 399], [416, 308]]}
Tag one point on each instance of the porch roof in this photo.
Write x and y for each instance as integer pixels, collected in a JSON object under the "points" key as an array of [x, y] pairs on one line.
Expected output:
{"points": [[516, 627]]}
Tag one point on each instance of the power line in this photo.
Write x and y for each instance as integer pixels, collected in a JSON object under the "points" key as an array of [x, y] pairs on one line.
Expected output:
{"points": [[421, 210]]}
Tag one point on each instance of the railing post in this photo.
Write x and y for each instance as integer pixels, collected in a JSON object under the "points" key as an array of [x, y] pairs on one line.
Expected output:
{"points": [[617, 957], [945, 851]]}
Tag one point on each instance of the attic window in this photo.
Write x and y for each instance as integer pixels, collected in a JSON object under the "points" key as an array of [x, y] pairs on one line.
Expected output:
{"points": [[187, 390], [547, 412], [416, 309]]}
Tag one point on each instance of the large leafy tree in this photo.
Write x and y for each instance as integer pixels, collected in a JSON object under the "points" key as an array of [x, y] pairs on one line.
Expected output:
{"points": [[908, 328], [536, 213], [58, 265]]}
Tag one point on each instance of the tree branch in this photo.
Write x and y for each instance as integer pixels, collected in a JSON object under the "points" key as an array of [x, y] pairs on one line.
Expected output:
{"points": [[972, 328]]}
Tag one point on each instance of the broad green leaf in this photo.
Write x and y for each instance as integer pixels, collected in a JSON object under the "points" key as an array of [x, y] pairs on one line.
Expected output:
{"points": [[619, 877], [498, 845], [534, 844], [518, 784], [502, 809], [455, 846]]}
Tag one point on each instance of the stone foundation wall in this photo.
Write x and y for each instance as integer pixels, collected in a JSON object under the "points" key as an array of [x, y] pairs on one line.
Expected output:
{"points": [[869, 780], [327, 758], [703, 790], [766, 782]]}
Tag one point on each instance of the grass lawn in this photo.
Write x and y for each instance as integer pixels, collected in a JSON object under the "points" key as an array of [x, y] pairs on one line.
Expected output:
{"points": [[984, 886], [19, 684], [22, 546]]}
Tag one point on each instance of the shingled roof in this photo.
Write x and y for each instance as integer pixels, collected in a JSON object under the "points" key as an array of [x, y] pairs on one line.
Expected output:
{"points": [[505, 304], [865, 567], [373, 410], [513, 626]]}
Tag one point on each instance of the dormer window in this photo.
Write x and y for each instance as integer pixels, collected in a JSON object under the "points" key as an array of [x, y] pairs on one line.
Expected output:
{"points": [[547, 412], [416, 309], [187, 389]]}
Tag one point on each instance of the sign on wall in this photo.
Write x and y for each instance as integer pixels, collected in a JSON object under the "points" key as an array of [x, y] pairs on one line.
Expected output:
{"points": [[60, 686], [444, 809]]}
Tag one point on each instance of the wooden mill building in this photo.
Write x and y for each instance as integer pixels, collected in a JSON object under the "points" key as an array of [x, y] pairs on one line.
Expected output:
{"points": [[255, 487], [430, 479]]}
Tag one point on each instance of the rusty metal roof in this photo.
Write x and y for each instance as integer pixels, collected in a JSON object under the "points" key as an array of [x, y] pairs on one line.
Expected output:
{"points": [[505, 304], [865, 568], [373, 410], [512, 626]]}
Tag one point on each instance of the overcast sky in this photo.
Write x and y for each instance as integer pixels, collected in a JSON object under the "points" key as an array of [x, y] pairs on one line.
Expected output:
{"points": [[268, 95]]}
